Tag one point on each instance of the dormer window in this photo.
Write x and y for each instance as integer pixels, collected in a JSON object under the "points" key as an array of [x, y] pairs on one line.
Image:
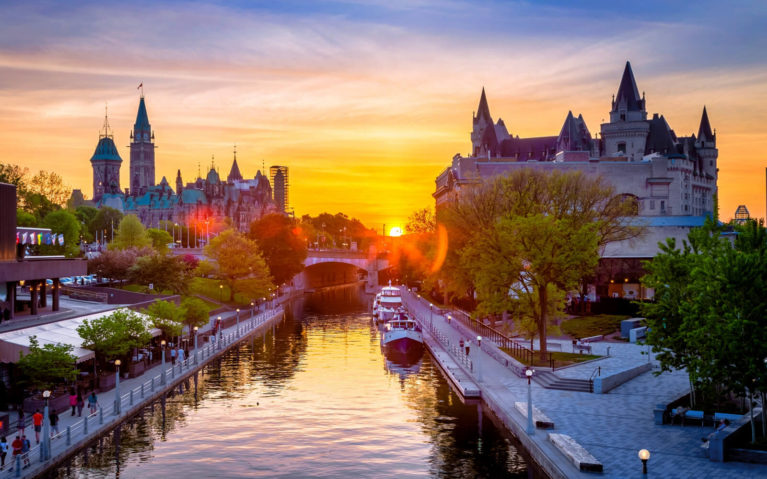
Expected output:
{"points": [[622, 147]]}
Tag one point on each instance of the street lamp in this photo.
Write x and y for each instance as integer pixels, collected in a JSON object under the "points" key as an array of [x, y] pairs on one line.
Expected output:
{"points": [[195, 344], [644, 455], [46, 427], [220, 292], [530, 428], [162, 346], [479, 341], [252, 308], [263, 301], [220, 333], [117, 387], [238, 322], [431, 314]]}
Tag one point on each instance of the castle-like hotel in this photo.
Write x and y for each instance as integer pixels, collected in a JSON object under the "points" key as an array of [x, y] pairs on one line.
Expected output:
{"points": [[671, 179], [211, 200]]}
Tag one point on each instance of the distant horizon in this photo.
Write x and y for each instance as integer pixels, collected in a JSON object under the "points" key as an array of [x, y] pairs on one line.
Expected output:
{"points": [[367, 102]]}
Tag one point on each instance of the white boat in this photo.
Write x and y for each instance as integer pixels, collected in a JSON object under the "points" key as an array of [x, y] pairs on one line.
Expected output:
{"points": [[387, 303], [401, 335]]}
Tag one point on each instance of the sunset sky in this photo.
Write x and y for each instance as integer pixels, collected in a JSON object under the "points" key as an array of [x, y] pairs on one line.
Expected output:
{"points": [[367, 101]]}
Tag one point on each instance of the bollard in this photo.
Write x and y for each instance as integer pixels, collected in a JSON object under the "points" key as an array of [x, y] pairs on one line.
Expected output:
{"points": [[69, 434], [18, 465], [101, 415], [131, 397], [85, 426], [152, 384], [142, 390]]}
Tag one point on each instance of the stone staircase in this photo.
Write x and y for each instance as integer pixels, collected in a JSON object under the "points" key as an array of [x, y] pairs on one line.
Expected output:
{"points": [[549, 380]]}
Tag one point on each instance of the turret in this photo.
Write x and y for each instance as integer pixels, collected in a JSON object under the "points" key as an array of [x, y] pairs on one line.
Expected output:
{"points": [[179, 183], [142, 151], [106, 163], [484, 141]]}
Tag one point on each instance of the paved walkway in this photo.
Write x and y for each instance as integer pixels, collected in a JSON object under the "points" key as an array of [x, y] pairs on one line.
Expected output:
{"points": [[148, 386], [613, 427]]}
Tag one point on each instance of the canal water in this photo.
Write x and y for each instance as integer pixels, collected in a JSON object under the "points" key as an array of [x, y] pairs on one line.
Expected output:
{"points": [[315, 397]]}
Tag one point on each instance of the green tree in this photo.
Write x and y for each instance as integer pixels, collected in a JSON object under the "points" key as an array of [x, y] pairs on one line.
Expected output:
{"points": [[160, 239], [47, 365], [131, 234], [116, 264], [283, 249], [15, 175], [196, 313], [114, 335], [25, 219], [105, 223], [167, 317], [164, 272], [421, 221], [50, 185], [85, 215], [64, 222], [239, 258], [39, 206]]}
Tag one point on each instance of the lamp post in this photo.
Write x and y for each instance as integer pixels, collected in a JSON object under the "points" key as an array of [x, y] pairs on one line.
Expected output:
{"points": [[195, 344], [162, 376], [477, 359], [220, 292], [431, 314], [263, 301], [530, 427], [117, 387], [46, 428], [644, 455], [220, 333], [252, 308], [479, 341], [238, 322]]}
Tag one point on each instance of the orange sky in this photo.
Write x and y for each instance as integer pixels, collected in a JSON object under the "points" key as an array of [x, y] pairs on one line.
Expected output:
{"points": [[367, 107]]}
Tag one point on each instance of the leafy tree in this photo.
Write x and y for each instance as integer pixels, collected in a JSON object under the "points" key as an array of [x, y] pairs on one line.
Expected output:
{"points": [[15, 175], [113, 336], [25, 219], [50, 185], [164, 272], [709, 313], [115, 264], [238, 258], [64, 222], [49, 364], [131, 234], [106, 221], [160, 239], [422, 221], [85, 215], [196, 313], [39, 206], [167, 317], [204, 269], [282, 247], [531, 233]]}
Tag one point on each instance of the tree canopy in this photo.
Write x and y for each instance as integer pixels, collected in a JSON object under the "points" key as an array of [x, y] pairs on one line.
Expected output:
{"points": [[167, 317], [160, 239], [114, 335], [64, 222], [163, 272], [47, 365], [283, 249], [131, 234], [238, 259]]}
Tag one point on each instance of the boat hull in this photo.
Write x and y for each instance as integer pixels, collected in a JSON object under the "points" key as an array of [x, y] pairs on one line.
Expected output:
{"points": [[403, 342]]}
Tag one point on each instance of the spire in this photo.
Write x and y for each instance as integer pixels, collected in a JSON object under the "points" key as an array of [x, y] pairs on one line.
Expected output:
{"points": [[628, 92], [704, 131], [483, 110], [141, 129], [234, 173], [107, 130]]}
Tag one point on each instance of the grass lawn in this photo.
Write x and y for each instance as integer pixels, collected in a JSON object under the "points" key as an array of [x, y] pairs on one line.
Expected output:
{"points": [[586, 326], [560, 359], [211, 288]]}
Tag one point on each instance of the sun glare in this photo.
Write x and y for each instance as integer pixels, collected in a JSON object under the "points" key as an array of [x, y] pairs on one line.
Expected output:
{"points": [[396, 231]]}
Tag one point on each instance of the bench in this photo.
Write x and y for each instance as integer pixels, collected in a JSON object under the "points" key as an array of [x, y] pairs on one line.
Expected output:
{"points": [[579, 456], [582, 347], [689, 414], [540, 420], [593, 338], [718, 416]]}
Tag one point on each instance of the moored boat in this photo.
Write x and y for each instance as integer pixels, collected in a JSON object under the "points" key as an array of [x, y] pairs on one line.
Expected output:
{"points": [[401, 335]]}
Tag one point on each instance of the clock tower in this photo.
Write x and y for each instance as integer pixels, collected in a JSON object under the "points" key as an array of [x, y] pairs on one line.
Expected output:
{"points": [[106, 163], [141, 152]]}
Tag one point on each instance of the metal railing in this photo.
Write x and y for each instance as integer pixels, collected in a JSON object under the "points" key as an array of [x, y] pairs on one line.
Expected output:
{"points": [[111, 412]]}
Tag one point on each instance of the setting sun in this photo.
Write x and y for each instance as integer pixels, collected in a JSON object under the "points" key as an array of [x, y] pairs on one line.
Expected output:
{"points": [[396, 231]]}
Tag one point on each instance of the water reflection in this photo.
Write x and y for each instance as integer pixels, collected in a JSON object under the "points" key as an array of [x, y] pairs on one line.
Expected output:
{"points": [[314, 397]]}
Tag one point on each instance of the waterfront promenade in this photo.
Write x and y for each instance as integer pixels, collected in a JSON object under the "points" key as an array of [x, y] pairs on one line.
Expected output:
{"points": [[135, 393], [613, 427]]}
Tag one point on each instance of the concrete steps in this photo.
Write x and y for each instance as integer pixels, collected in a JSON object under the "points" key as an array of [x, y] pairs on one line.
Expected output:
{"points": [[549, 380]]}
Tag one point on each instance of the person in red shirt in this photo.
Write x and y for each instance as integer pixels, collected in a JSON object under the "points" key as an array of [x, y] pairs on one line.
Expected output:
{"points": [[16, 445], [37, 420]]}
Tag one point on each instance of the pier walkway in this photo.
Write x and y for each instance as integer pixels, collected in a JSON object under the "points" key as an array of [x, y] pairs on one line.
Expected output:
{"points": [[135, 393], [613, 427]]}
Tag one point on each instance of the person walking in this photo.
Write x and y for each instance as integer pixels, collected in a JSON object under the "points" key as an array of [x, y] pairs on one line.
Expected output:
{"points": [[460, 344], [17, 446], [180, 354], [54, 420], [93, 403], [80, 405], [3, 452], [37, 421], [173, 356], [73, 400], [468, 346], [21, 422], [25, 447]]}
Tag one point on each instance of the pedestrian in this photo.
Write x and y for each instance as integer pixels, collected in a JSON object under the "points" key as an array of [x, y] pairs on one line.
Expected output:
{"points": [[17, 446], [468, 346], [73, 400], [3, 452], [21, 422], [180, 354], [37, 421], [53, 418], [80, 405], [173, 355], [93, 402], [25, 447], [460, 344]]}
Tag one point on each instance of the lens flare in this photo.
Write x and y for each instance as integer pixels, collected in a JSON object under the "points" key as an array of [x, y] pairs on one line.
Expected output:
{"points": [[396, 231]]}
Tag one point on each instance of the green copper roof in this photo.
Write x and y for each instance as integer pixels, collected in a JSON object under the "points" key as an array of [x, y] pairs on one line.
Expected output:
{"points": [[106, 150]]}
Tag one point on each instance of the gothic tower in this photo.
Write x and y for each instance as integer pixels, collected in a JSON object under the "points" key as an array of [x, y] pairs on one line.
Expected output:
{"points": [[484, 140], [626, 133], [706, 146], [141, 152], [106, 163]]}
